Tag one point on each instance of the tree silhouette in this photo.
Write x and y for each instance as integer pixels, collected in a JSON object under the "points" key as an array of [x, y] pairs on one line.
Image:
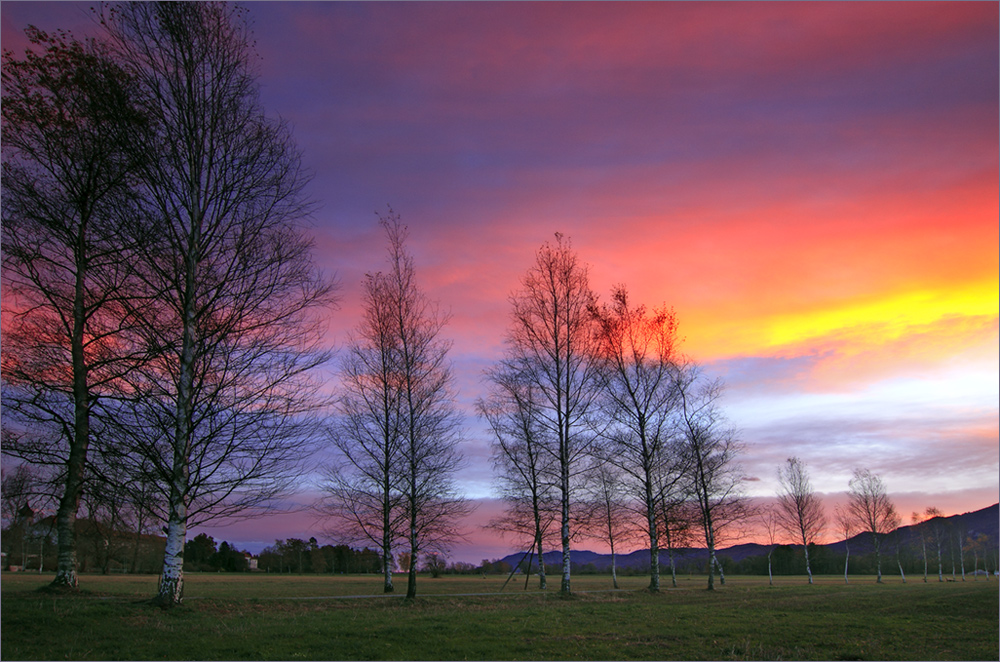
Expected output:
{"points": [[220, 410], [636, 370], [397, 432], [550, 343], [66, 176], [714, 478], [800, 512], [871, 510]]}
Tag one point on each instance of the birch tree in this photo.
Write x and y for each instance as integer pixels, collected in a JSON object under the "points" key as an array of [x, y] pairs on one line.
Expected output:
{"points": [[958, 540], [768, 519], [714, 477], [846, 527], [934, 519], [635, 370], [428, 420], [607, 514], [364, 488], [523, 461], [221, 407], [915, 521], [800, 512], [871, 510], [679, 521], [66, 175], [551, 343]]}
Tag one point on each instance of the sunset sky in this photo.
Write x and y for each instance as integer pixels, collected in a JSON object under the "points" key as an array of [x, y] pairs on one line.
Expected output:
{"points": [[813, 187]]}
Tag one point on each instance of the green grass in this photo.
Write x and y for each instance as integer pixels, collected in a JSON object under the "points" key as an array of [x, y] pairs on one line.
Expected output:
{"points": [[257, 617]]}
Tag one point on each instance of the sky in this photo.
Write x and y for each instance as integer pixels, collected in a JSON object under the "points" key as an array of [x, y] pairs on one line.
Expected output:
{"points": [[813, 187]]}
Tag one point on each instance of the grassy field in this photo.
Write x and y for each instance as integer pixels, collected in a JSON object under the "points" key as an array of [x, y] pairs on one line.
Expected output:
{"points": [[257, 617]]}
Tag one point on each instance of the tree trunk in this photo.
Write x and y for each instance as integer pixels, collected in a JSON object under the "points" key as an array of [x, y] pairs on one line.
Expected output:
{"points": [[614, 569], [527, 568], [654, 541], [564, 587], [411, 578], [878, 559], [673, 566], [171, 588], [805, 549], [710, 543], [70, 501], [923, 549], [770, 577], [541, 559], [846, 561], [66, 555], [711, 568], [387, 586], [901, 574]]}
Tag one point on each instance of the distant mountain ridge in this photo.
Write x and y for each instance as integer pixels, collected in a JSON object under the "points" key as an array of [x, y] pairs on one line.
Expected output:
{"points": [[986, 520]]}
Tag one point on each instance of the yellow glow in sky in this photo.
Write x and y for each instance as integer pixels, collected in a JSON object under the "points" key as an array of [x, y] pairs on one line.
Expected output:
{"points": [[887, 318]]}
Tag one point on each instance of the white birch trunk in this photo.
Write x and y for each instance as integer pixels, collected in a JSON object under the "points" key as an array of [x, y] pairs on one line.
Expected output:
{"points": [[564, 528], [171, 588], [710, 543], [805, 549], [847, 559], [722, 574], [923, 549], [654, 543], [387, 586]]}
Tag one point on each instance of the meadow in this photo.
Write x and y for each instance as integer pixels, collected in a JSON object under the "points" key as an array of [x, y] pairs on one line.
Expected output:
{"points": [[310, 617]]}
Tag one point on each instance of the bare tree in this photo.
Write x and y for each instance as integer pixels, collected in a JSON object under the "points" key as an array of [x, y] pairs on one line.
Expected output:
{"points": [[65, 172], [711, 448], [523, 461], [121, 497], [636, 366], [934, 519], [846, 527], [979, 546], [800, 512], [679, 520], [768, 518], [364, 488], [607, 512], [26, 493], [24, 485], [958, 540], [915, 521], [220, 408], [871, 510], [897, 541], [428, 422], [551, 343]]}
